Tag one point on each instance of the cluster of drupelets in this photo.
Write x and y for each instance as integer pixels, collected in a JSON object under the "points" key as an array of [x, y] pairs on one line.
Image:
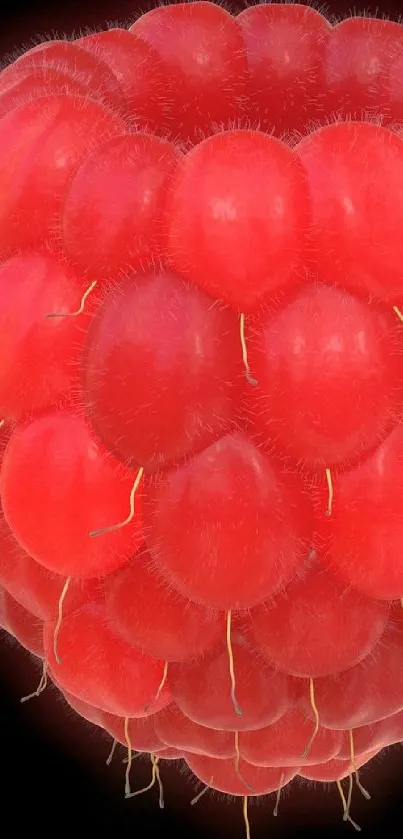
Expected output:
{"points": [[201, 387]]}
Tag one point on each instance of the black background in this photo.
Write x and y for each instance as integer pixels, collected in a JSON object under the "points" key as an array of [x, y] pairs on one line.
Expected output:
{"points": [[54, 775]]}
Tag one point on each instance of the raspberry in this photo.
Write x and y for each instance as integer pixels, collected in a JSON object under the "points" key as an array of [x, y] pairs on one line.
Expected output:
{"points": [[201, 392]]}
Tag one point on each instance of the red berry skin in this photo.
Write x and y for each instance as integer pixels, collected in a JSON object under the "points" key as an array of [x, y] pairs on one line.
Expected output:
{"points": [[379, 735], [140, 74], [285, 46], [361, 541], [334, 770], [100, 668], [194, 516], [353, 168], [162, 375], [169, 754], [40, 354], [247, 781], [29, 83], [310, 358], [41, 143], [81, 66], [237, 217], [83, 709], [33, 586], [26, 628], [394, 91], [359, 55], [150, 615], [366, 693], [283, 742], [317, 627], [202, 690], [57, 486], [112, 214], [178, 731], [141, 731], [203, 59]]}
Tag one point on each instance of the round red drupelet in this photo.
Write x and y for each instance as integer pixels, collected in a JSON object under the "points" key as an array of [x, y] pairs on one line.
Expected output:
{"points": [[26, 628], [379, 735], [356, 64], [163, 374], [367, 692], [99, 667], [283, 742], [142, 736], [112, 214], [353, 169], [202, 690], [204, 62], [311, 358], [229, 527], [317, 626], [237, 217], [58, 485], [33, 586], [249, 780], [83, 709], [82, 67], [152, 616], [40, 354], [361, 540], [178, 731], [41, 144], [140, 74], [285, 47], [334, 770], [29, 83]]}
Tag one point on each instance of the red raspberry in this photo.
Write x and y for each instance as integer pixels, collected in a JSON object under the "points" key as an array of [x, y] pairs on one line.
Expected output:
{"points": [[200, 387]]}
